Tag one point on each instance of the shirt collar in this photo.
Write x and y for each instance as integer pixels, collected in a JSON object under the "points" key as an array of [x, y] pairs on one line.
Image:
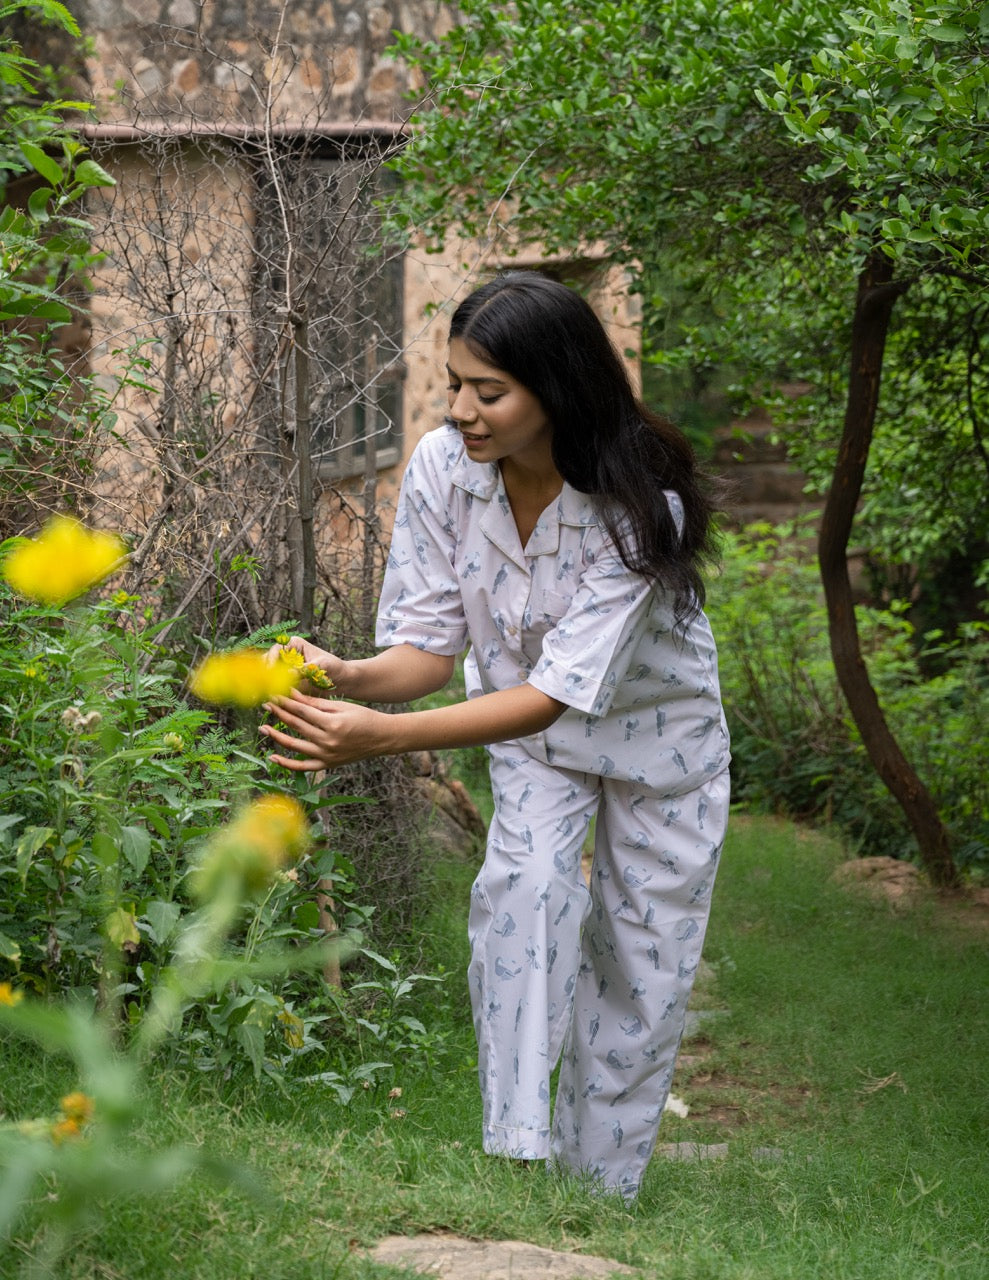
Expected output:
{"points": [[483, 480]]}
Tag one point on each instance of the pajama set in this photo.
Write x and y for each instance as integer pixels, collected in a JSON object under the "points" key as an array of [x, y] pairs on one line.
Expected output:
{"points": [[596, 978]]}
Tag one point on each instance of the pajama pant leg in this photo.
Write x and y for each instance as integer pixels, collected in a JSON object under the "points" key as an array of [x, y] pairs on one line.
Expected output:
{"points": [[527, 906], [654, 868]]}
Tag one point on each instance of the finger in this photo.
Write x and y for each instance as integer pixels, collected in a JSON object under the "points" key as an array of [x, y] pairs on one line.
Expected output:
{"points": [[303, 722], [306, 709], [297, 766], [302, 745], [307, 699]]}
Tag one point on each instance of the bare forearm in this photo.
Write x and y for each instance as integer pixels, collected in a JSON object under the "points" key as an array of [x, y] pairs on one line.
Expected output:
{"points": [[399, 674], [494, 717], [322, 732]]}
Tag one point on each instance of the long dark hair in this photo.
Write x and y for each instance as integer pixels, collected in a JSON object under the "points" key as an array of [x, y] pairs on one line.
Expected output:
{"points": [[605, 441]]}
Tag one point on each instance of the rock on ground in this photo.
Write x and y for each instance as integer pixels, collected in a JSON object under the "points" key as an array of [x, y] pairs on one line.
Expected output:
{"points": [[451, 1257]]}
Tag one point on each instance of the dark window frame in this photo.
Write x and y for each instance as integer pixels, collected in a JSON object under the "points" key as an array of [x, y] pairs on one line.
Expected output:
{"points": [[354, 305]]}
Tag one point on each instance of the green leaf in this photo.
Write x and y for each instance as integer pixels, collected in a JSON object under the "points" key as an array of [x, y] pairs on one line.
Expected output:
{"points": [[8, 820], [90, 174], [307, 916], [31, 842], [163, 918], [135, 844], [38, 203], [9, 949], [947, 33], [40, 308], [43, 163], [121, 927], [105, 848]]}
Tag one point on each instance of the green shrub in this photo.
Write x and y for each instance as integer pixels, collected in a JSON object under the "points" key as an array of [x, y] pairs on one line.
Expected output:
{"points": [[795, 748]]}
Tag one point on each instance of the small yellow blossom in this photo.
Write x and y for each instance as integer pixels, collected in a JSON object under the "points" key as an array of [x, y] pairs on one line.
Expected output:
{"points": [[77, 1106], [65, 560], [9, 996], [173, 741], [65, 1130], [291, 657], [242, 678], [282, 639], [31, 671], [267, 835], [77, 1111], [316, 676]]}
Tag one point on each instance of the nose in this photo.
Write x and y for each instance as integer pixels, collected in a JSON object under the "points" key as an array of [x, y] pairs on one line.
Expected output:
{"points": [[463, 409]]}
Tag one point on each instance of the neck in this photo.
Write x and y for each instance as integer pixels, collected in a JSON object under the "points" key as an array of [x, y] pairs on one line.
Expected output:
{"points": [[531, 476]]}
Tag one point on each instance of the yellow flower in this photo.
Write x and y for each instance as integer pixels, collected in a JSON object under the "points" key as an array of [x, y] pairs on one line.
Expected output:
{"points": [[65, 560], [268, 834], [242, 678], [65, 1130], [78, 1107], [291, 657], [316, 676], [281, 638], [279, 823], [9, 996]]}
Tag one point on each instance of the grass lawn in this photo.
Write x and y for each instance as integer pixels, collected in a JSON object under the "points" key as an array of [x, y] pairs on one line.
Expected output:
{"points": [[852, 1041]]}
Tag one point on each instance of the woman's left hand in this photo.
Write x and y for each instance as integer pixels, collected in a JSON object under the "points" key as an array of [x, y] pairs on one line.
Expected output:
{"points": [[326, 732]]}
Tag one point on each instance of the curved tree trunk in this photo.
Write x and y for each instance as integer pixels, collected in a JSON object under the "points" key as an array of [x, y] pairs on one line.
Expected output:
{"points": [[877, 294]]}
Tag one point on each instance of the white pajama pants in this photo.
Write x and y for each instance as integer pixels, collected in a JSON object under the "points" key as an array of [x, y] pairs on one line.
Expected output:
{"points": [[600, 977]]}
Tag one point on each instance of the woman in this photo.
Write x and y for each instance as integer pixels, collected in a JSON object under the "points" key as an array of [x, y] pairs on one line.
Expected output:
{"points": [[557, 526]]}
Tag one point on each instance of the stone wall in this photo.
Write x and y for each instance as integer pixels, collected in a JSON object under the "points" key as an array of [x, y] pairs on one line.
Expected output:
{"points": [[248, 60]]}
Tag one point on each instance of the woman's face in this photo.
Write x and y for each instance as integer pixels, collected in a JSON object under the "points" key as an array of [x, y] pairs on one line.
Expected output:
{"points": [[497, 416]]}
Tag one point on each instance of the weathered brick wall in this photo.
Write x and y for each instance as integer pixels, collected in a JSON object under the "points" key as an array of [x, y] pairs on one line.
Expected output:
{"points": [[243, 60]]}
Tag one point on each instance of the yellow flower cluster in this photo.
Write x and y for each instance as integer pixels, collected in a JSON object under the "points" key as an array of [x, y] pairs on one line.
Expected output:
{"points": [[77, 1111], [316, 676], [268, 834], [9, 996], [65, 560], [308, 671], [242, 678]]}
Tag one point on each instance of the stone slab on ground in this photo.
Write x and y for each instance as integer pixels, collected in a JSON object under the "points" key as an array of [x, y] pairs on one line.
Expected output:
{"points": [[451, 1257]]}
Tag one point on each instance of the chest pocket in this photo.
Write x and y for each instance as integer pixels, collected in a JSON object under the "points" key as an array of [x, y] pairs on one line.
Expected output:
{"points": [[542, 614]]}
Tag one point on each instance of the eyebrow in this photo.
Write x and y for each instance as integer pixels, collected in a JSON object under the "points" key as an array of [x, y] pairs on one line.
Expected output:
{"points": [[475, 381]]}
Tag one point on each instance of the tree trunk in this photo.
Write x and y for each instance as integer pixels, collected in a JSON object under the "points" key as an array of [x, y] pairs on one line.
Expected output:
{"points": [[876, 296]]}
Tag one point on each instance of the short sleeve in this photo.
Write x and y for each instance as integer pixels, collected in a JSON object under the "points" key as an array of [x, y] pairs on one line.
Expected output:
{"points": [[420, 601]]}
